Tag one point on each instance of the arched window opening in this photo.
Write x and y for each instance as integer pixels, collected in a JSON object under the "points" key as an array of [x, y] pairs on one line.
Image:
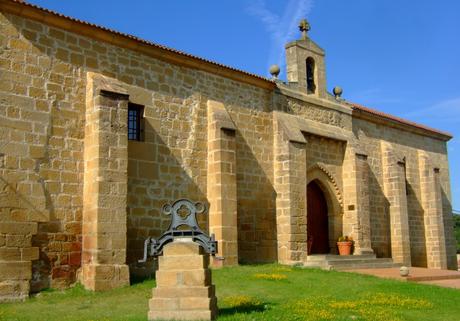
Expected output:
{"points": [[311, 87]]}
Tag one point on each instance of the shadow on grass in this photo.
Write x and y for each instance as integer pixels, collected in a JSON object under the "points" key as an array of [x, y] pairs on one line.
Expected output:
{"points": [[244, 308], [138, 279]]}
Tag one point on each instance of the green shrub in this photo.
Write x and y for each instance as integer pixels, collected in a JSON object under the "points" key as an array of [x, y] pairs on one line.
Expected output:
{"points": [[457, 231]]}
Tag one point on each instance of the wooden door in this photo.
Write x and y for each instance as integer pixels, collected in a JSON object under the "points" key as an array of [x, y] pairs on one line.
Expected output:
{"points": [[317, 220]]}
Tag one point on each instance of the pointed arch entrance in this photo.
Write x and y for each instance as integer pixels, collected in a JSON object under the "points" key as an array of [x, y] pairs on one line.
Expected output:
{"points": [[317, 220], [324, 210]]}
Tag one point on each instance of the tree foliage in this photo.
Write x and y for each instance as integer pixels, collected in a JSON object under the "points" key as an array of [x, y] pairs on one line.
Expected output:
{"points": [[457, 231]]}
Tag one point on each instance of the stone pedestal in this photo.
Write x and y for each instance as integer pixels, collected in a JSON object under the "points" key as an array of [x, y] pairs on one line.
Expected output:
{"points": [[184, 285]]}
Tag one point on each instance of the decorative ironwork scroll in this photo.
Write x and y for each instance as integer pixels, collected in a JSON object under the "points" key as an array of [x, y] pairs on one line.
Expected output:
{"points": [[183, 225]]}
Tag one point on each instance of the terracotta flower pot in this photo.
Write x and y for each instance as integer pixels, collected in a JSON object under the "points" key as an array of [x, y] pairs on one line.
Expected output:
{"points": [[344, 247]]}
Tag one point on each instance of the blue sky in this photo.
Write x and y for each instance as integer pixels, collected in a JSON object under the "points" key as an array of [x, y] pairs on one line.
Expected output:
{"points": [[401, 57]]}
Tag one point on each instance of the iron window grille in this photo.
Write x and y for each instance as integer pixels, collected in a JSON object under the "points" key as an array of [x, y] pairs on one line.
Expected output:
{"points": [[135, 122]]}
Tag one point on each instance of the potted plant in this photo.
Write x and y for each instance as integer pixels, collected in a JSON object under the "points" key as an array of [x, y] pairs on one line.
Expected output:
{"points": [[344, 245]]}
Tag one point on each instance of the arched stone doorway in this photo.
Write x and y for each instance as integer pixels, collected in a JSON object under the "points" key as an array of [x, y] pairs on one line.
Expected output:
{"points": [[317, 220]]}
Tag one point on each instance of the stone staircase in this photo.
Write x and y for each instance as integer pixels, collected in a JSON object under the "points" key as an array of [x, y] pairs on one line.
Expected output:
{"points": [[348, 262]]}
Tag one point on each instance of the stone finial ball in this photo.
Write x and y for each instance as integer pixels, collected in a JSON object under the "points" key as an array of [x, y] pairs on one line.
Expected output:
{"points": [[274, 70], [337, 91], [404, 271]]}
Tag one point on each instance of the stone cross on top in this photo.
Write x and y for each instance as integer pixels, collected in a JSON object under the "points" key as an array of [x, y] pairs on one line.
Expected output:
{"points": [[304, 27]]}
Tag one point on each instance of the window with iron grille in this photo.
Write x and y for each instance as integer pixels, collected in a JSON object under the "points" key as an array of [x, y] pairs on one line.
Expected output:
{"points": [[135, 121]]}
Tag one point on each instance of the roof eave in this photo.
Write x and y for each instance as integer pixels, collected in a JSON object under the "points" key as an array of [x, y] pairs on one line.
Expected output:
{"points": [[99, 33], [360, 111], [176, 57]]}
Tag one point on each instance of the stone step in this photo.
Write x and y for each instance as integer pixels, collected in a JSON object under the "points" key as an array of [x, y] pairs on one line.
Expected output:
{"points": [[375, 265], [357, 262], [323, 257], [348, 262], [317, 264]]}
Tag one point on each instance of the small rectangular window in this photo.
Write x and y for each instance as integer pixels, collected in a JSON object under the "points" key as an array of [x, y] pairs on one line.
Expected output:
{"points": [[135, 122]]}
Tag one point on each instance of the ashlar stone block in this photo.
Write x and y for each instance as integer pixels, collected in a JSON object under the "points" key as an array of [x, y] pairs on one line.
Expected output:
{"points": [[184, 291]]}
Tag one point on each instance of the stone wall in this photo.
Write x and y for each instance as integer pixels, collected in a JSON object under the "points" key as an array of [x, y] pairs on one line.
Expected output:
{"points": [[46, 68], [328, 152], [405, 147], [165, 166], [43, 96], [171, 162], [42, 120], [254, 168]]}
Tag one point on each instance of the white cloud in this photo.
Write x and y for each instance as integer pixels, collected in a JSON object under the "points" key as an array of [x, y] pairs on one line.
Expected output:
{"points": [[372, 97], [270, 20], [281, 28], [446, 111]]}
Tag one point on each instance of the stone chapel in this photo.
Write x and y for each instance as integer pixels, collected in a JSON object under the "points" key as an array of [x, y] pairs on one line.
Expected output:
{"points": [[99, 129]]}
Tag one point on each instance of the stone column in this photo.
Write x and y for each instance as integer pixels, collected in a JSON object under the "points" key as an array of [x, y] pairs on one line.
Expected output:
{"points": [[357, 222], [221, 184], [290, 168], [183, 291], [394, 183], [105, 191], [431, 199]]}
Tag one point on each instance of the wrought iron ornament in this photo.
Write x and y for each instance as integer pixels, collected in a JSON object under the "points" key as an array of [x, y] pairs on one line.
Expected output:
{"points": [[304, 27], [154, 247]]}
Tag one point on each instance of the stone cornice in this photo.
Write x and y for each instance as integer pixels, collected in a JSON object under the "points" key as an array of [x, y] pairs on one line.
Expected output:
{"points": [[319, 102], [390, 121], [294, 127]]}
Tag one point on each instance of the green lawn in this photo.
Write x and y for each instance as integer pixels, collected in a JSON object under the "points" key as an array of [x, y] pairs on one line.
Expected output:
{"points": [[263, 292]]}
